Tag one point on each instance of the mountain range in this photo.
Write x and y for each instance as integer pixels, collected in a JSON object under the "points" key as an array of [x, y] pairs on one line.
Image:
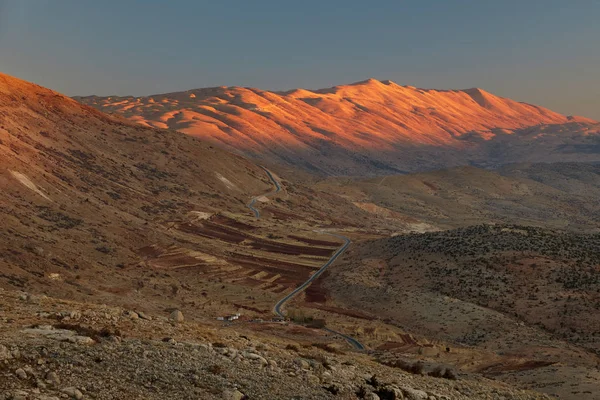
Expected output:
{"points": [[127, 243], [366, 128]]}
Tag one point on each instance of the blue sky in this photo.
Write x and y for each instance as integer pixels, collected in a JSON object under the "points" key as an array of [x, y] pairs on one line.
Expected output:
{"points": [[545, 52]]}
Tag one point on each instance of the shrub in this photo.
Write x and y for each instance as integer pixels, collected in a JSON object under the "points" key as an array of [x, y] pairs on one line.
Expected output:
{"points": [[292, 347], [450, 374]]}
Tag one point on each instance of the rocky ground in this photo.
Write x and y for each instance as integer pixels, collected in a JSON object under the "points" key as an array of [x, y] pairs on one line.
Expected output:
{"points": [[56, 349]]}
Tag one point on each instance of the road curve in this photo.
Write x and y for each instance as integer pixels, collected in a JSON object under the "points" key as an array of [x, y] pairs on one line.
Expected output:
{"points": [[277, 309], [281, 303], [254, 199], [357, 345]]}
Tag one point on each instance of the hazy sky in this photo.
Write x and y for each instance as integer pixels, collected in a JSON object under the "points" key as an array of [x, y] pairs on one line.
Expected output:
{"points": [[539, 51]]}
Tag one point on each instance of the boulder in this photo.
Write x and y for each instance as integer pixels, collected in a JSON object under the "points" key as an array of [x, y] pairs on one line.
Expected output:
{"points": [[414, 394], [73, 392], [303, 364], [145, 316], [21, 374], [5, 354], [234, 395], [52, 378], [176, 316]]}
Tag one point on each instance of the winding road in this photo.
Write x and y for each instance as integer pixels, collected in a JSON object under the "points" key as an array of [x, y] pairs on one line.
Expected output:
{"points": [[277, 309], [255, 199]]}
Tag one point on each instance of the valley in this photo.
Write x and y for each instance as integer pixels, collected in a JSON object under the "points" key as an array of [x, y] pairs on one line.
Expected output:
{"points": [[299, 200], [124, 244]]}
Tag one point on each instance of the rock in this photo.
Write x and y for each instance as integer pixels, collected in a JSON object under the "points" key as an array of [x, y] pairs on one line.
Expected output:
{"points": [[326, 377], [43, 314], [62, 335], [75, 314], [303, 364], [16, 353], [176, 316], [73, 393], [255, 357], [312, 379], [21, 374], [414, 394], [4, 353], [19, 395], [371, 396], [142, 315], [391, 392], [52, 378], [133, 315], [83, 340], [233, 395], [232, 353], [29, 370]]}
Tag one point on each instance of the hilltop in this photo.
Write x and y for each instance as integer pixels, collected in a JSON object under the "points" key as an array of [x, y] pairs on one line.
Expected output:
{"points": [[369, 127]]}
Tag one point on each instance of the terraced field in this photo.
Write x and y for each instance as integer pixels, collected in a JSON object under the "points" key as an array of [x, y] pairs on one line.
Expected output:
{"points": [[229, 250]]}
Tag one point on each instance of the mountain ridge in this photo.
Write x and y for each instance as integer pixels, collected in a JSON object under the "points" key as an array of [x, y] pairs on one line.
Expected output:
{"points": [[368, 127]]}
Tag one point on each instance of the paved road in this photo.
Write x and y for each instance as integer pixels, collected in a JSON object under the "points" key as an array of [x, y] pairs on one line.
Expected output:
{"points": [[299, 289], [281, 303], [254, 199], [355, 343], [278, 307]]}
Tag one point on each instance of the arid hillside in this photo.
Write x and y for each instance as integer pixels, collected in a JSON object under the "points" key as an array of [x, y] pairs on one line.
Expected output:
{"points": [[98, 208], [112, 232], [527, 295], [558, 195], [366, 128], [80, 190]]}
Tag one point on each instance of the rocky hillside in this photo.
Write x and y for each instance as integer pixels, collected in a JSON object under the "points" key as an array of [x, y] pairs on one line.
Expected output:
{"points": [[54, 349], [80, 191], [366, 128], [527, 294]]}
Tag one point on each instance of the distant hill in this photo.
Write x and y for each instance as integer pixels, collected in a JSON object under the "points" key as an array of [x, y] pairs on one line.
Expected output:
{"points": [[370, 127], [558, 195]]}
